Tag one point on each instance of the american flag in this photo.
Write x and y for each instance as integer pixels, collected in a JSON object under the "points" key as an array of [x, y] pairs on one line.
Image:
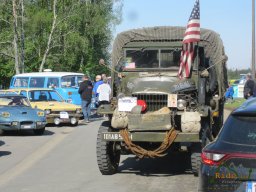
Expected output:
{"points": [[192, 35]]}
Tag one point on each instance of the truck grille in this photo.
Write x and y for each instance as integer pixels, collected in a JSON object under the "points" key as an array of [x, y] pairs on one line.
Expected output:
{"points": [[154, 101]]}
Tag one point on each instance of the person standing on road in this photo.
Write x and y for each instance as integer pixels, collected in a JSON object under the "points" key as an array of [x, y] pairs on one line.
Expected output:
{"points": [[248, 87], [95, 87], [104, 91], [85, 91]]}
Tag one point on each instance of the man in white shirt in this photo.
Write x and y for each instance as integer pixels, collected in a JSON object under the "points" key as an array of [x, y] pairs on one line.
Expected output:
{"points": [[104, 91]]}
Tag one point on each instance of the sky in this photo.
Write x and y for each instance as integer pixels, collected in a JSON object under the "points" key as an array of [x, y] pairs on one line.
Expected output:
{"points": [[232, 19]]}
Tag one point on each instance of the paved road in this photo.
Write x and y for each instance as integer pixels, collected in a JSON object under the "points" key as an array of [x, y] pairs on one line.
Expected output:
{"points": [[64, 160]]}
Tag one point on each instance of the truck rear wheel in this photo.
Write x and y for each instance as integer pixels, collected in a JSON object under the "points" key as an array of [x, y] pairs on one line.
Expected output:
{"points": [[195, 163], [108, 154]]}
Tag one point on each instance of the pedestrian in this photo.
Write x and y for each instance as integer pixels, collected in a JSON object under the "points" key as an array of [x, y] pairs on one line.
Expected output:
{"points": [[85, 91], [104, 91], [229, 93], [248, 87], [96, 85]]}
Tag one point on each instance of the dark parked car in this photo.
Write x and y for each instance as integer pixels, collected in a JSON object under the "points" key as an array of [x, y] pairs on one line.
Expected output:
{"points": [[16, 114], [229, 163]]}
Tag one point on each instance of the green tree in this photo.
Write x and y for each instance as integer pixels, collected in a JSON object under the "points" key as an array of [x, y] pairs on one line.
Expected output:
{"points": [[64, 35]]}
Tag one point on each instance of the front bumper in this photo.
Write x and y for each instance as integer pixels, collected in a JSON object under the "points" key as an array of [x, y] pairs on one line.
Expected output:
{"points": [[50, 117], [15, 125], [150, 137]]}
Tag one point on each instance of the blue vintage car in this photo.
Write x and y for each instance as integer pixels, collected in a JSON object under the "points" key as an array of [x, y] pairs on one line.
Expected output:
{"points": [[17, 114]]}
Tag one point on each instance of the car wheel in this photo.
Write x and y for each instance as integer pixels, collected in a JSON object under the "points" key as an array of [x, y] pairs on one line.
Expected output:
{"points": [[74, 125], [39, 131], [108, 154]]}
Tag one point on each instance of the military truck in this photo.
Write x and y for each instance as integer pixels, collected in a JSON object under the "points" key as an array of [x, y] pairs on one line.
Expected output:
{"points": [[153, 110]]}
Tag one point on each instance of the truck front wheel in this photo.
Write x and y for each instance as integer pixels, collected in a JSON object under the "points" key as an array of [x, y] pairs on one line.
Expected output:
{"points": [[108, 152]]}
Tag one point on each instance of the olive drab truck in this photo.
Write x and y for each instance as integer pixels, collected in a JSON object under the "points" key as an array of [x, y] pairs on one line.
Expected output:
{"points": [[153, 111]]}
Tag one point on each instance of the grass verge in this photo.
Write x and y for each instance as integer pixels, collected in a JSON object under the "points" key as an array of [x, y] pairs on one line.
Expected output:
{"points": [[231, 105]]}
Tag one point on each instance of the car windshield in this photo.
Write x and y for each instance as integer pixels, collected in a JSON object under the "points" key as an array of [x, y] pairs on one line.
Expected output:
{"points": [[71, 81], [44, 95], [239, 130], [14, 101], [152, 58]]}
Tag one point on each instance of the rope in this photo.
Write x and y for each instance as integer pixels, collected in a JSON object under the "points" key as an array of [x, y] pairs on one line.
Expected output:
{"points": [[141, 153]]}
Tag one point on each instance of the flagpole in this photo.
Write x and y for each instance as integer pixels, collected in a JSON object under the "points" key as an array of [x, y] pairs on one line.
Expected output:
{"points": [[253, 39]]}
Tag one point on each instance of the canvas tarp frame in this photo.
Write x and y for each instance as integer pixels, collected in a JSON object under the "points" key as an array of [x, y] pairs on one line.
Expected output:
{"points": [[210, 40]]}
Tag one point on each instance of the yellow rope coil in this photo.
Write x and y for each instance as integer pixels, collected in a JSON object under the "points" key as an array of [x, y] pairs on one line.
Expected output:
{"points": [[140, 152]]}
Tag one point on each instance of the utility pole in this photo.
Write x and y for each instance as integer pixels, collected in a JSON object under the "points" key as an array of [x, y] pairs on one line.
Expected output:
{"points": [[253, 39], [22, 38]]}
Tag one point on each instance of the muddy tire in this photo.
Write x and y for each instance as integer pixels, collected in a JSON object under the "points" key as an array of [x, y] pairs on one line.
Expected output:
{"points": [[196, 149], [108, 156], [195, 163]]}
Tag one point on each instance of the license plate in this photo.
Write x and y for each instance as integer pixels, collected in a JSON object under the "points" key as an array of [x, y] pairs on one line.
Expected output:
{"points": [[251, 187], [64, 115], [27, 126], [113, 136], [172, 100]]}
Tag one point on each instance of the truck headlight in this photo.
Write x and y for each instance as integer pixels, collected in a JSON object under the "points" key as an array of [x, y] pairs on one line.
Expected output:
{"points": [[5, 114], [40, 113], [181, 104], [47, 111], [78, 111]]}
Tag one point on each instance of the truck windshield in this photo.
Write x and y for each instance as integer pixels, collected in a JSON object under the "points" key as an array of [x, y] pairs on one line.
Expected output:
{"points": [[152, 58]]}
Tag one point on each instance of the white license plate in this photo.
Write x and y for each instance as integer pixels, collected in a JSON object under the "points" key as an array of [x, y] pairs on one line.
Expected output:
{"points": [[27, 126], [64, 115], [112, 136], [172, 100], [251, 187]]}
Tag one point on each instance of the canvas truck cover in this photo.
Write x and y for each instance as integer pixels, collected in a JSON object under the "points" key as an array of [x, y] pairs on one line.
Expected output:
{"points": [[210, 40]]}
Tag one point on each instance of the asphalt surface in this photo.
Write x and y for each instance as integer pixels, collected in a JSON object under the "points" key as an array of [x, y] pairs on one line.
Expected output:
{"points": [[64, 160]]}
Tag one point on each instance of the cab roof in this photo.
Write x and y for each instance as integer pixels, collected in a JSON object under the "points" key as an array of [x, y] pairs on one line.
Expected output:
{"points": [[29, 89]]}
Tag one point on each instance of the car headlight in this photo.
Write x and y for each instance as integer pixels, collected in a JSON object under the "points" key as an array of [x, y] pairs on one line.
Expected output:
{"points": [[5, 114], [78, 111], [39, 123], [181, 104], [14, 123], [47, 111], [40, 113]]}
